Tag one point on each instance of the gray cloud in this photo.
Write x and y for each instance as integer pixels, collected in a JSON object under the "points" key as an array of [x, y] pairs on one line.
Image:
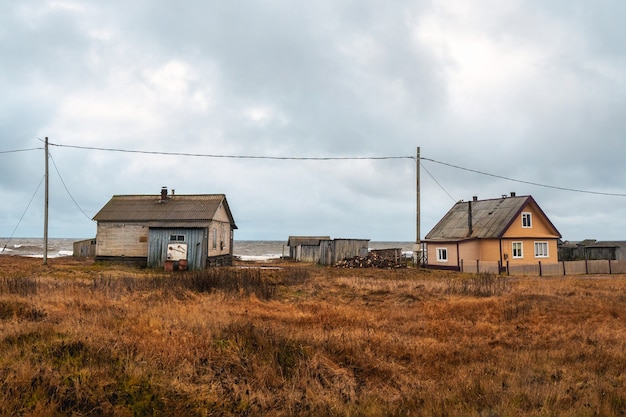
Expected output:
{"points": [[525, 90]]}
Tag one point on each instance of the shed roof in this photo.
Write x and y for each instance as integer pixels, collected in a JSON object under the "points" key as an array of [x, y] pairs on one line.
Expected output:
{"points": [[489, 218], [607, 244], [174, 211], [305, 240]]}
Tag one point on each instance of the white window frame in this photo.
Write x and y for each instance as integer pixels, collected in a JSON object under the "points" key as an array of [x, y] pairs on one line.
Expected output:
{"points": [[521, 250], [442, 254], [527, 220], [539, 253]]}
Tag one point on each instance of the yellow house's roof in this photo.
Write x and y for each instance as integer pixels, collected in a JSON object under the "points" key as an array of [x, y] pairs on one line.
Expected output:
{"points": [[489, 219]]}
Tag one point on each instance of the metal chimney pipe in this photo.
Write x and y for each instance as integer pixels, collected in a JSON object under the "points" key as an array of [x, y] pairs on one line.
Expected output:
{"points": [[470, 228]]}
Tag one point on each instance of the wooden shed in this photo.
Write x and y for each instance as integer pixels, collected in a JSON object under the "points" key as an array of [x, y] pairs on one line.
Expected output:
{"points": [[324, 250], [167, 229], [305, 248], [84, 248], [609, 250]]}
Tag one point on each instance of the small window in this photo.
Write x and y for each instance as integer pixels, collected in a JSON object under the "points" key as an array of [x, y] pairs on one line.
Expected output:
{"points": [[517, 249], [214, 238], [527, 220], [177, 238], [442, 255], [541, 249]]}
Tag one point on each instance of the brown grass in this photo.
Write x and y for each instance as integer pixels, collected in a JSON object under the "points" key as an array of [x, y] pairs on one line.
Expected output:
{"points": [[78, 338]]}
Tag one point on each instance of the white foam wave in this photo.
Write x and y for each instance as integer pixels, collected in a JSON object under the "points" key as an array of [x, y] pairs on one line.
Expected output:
{"points": [[258, 257]]}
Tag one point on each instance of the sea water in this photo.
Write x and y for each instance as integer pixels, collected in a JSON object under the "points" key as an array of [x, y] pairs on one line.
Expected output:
{"points": [[247, 250]]}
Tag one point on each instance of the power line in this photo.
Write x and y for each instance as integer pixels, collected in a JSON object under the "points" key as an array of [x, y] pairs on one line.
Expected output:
{"points": [[292, 158], [65, 186], [554, 187], [21, 150], [23, 214], [327, 158], [437, 182]]}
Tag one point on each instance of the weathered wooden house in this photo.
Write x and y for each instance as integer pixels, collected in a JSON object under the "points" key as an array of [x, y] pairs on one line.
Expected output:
{"points": [[151, 230], [510, 229], [324, 250]]}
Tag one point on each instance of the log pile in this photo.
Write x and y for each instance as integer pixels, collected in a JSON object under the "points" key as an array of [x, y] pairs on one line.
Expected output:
{"points": [[385, 259]]}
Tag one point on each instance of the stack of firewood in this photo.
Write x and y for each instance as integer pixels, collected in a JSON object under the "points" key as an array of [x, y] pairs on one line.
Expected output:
{"points": [[374, 259]]}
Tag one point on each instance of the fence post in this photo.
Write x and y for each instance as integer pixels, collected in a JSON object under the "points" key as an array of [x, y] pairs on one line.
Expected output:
{"points": [[508, 271], [461, 266], [477, 266], [540, 269], [586, 267], [564, 273], [610, 270]]}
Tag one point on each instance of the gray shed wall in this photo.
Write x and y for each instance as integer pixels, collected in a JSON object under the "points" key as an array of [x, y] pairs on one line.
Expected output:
{"points": [[348, 248], [158, 240]]}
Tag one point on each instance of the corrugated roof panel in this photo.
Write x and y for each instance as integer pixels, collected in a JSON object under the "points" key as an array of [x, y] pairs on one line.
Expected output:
{"points": [[146, 208], [490, 219]]}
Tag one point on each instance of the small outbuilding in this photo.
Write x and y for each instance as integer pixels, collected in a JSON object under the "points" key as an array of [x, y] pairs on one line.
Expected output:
{"points": [[607, 250], [324, 250], [84, 248], [157, 230]]}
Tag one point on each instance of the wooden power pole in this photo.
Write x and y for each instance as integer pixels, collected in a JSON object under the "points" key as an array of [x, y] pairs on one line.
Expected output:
{"points": [[417, 249], [45, 211]]}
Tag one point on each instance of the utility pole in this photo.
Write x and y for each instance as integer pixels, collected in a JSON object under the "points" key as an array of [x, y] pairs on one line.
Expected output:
{"points": [[45, 211], [417, 249]]}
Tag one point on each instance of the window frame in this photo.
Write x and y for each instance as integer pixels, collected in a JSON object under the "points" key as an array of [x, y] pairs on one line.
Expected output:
{"points": [[514, 250], [177, 238], [442, 254], [527, 220], [543, 244]]}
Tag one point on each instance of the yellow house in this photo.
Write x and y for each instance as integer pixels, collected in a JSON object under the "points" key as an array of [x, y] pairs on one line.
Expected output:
{"points": [[510, 229]]}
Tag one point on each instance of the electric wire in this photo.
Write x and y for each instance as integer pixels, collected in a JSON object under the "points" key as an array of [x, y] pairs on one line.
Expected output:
{"points": [[536, 184], [283, 158], [295, 158], [23, 214], [437, 182], [67, 189], [21, 150]]}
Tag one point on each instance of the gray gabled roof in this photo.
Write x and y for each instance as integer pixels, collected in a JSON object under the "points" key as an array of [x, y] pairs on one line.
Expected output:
{"points": [[294, 241], [174, 211], [607, 244], [489, 219]]}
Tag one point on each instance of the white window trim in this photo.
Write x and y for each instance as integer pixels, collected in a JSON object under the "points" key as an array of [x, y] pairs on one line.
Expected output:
{"points": [[530, 219], [542, 242], [439, 252], [521, 247]]}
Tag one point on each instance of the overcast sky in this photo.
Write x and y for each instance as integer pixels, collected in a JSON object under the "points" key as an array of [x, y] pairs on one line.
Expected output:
{"points": [[530, 90]]}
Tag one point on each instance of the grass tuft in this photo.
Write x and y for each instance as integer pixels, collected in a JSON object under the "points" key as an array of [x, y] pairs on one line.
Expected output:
{"points": [[284, 340]]}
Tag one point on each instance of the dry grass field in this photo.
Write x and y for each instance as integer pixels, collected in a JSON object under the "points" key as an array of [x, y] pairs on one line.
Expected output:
{"points": [[79, 338]]}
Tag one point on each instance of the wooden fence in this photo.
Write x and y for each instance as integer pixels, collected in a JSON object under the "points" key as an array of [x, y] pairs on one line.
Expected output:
{"points": [[589, 267]]}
